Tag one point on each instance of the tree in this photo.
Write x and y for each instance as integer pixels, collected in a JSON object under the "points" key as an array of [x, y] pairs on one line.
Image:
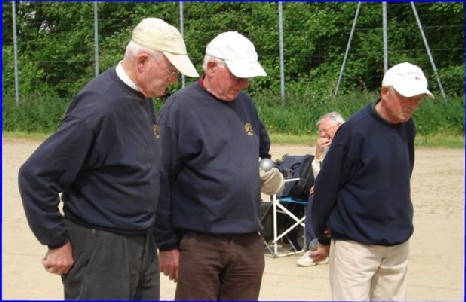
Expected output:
{"points": [[56, 41]]}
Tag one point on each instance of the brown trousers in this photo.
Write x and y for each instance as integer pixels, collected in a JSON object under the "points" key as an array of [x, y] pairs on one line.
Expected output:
{"points": [[220, 267]]}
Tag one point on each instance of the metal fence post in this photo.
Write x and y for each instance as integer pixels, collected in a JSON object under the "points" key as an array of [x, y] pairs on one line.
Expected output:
{"points": [[96, 39], [15, 51], [385, 37], [280, 41], [182, 33], [428, 51], [348, 45]]}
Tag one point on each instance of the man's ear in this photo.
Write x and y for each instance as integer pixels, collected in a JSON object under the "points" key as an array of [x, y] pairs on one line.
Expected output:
{"points": [[210, 66], [142, 60], [384, 91]]}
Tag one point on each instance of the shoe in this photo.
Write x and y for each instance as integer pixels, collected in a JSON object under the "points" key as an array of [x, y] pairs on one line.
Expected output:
{"points": [[305, 261]]}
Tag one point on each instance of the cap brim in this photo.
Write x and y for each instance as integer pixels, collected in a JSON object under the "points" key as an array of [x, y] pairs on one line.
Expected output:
{"points": [[246, 69], [182, 63], [410, 91], [429, 93]]}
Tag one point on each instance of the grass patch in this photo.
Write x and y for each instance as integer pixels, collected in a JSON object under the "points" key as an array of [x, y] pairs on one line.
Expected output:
{"points": [[290, 139], [440, 141], [432, 141], [27, 135]]}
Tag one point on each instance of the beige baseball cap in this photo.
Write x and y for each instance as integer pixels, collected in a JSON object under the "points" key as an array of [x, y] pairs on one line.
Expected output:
{"points": [[158, 35], [238, 53], [407, 79]]}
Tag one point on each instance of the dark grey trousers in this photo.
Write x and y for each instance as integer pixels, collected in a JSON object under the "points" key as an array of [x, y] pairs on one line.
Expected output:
{"points": [[308, 223], [111, 266]]}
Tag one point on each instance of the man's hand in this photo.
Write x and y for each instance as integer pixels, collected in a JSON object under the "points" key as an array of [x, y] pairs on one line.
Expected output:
{"points": [[320, 253], [170, 263], [322, 250], [311, 191], [60, 260], [272, 181], [321, 144]]}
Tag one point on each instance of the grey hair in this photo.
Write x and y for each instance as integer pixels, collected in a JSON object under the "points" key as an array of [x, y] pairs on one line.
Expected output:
{"points": [[333, 116], [209, 58], [133, 49]]}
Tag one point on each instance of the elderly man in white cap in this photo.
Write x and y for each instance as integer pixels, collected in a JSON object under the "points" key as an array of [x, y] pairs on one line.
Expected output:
{"points": [[208, 215], [362, 193], [105, 160]]}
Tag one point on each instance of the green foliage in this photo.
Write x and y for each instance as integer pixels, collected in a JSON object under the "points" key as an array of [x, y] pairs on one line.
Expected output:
{"points": [[437, 116], [301, 111], [296, 117], [8, 71], [56, 55], [34, 114]]}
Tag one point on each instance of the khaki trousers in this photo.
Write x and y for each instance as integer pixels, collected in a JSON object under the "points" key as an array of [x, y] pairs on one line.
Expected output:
{"points": [[361, 272]]}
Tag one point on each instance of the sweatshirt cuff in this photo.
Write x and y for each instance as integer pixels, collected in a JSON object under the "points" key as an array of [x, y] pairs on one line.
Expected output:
{"points": [[324, 241], [56, 246], [168, 247]]}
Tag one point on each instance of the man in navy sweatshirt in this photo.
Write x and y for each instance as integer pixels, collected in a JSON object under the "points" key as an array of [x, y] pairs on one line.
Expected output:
{"points": [[362, 193], [208, 215], [105, 161]]}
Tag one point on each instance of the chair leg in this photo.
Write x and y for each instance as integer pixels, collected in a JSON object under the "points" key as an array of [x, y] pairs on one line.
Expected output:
{"points": [[297, 223], [270, 250]]}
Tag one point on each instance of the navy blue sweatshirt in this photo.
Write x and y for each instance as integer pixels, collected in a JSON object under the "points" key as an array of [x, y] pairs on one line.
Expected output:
{"points": [[362, 192], [210, 175], [104, 159]]}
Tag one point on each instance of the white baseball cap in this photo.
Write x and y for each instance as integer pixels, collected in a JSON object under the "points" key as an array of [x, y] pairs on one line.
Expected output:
{"points": [[238, 53], [158, 35], [407, 79]]}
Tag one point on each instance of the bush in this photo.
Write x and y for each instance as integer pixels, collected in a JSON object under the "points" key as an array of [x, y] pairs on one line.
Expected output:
{"points": [[297, 116], [34, 114], [301, 111]]}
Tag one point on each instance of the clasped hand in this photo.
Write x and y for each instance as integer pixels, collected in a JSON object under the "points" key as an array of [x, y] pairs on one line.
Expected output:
{"points": [[272, 181]]}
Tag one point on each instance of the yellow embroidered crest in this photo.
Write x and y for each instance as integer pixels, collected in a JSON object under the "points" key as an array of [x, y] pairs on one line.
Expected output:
{"points": [[248, 129], [155, 128]]}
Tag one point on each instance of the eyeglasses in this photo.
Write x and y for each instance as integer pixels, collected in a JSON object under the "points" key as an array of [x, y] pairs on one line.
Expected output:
{"points": [[325, 130], [171, 72]]}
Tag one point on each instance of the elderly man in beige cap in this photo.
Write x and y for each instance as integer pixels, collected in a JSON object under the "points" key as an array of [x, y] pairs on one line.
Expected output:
{"points": [[362, 193], [208, 215], [105, 161]]}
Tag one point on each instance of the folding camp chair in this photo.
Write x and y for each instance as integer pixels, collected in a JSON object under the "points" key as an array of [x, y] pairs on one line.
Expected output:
{"points": [[288, 213], [280, 224], [279, 206]]}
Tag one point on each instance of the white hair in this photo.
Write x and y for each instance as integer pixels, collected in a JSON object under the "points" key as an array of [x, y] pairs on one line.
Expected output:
{"points": [[209, 58], [133, 49], [334, 116]]}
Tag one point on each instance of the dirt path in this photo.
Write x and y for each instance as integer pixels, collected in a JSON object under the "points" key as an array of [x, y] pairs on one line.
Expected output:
{"points": [[437, 246]]}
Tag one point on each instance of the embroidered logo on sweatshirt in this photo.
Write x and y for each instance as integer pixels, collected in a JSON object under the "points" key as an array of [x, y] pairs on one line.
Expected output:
{"points": [[248, 129], [155, 128]]}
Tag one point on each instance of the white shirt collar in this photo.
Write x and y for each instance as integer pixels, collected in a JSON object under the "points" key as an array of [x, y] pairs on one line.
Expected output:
{"points": [[124, 77]]}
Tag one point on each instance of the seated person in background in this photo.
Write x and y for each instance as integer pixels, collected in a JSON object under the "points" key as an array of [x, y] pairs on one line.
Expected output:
{"points": [[327, 126]]}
